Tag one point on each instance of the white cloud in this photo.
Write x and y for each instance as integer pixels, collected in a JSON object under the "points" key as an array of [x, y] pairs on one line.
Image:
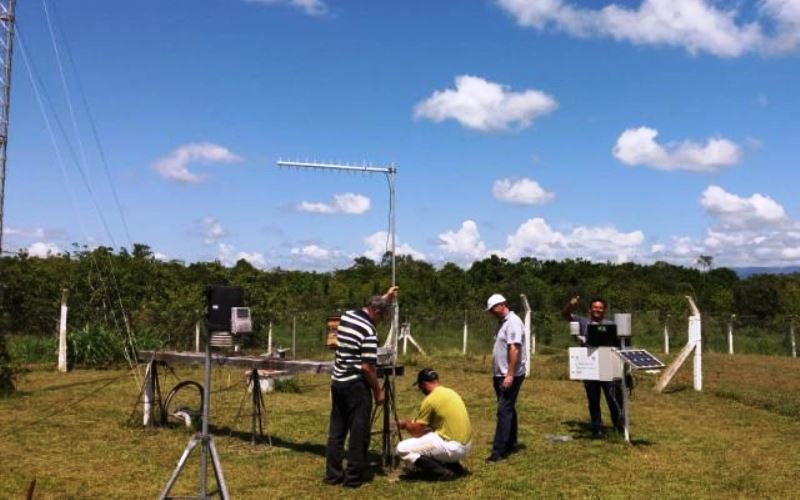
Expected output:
{"points": [[228, 256], [464, 245], [486, 106], [212, 230], [735, 211], [639, 147], [161, 256], [175, 165], [310, 7], [746, 231], [38, 232], [536, 238], [312, 251], [521, 192], [379, 243], [694, 25], [43, 249], [344, 203]]}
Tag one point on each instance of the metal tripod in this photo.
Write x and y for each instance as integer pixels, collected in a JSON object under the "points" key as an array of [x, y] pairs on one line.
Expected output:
{"points": [[256, 418], [207, 448], [389, 410]]}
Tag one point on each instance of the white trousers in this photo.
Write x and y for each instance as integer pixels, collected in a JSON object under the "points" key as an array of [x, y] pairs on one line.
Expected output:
{"points": [[431, 445]]}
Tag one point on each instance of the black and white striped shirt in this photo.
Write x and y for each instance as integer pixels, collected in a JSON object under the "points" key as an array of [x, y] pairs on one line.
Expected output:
{"points": [[358, 344]]}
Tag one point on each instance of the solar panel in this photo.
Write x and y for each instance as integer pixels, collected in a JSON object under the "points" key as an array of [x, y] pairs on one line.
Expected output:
{"points": [[640, 359]]}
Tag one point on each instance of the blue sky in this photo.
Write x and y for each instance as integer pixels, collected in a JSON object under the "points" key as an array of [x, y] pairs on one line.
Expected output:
{"points": [[612, 131]]}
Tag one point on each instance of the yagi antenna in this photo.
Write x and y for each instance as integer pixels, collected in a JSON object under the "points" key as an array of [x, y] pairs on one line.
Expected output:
{"points": [[391, 173]]}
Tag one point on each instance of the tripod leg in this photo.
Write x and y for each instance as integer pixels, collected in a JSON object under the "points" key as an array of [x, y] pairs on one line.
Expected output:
{"points": [[181, 463], [255, 382], [387, 433], [223, 488]]}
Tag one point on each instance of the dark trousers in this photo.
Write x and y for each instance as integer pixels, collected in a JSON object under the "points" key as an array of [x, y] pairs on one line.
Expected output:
{"points": [[350, 414], [613, 394], [505, 433]]}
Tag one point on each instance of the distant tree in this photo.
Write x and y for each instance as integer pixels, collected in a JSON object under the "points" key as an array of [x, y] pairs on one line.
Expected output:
{"points": [[705, 262]]}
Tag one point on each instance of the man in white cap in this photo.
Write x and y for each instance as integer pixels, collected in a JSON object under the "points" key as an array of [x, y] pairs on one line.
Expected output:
{"points": [[508, 366]]}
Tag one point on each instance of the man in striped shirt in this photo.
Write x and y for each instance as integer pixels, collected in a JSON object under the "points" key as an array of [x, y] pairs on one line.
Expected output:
{"points": [[354, 377]]}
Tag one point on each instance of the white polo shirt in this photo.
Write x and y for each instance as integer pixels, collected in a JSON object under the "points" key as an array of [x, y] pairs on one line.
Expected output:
{"points": [[510, 331]]}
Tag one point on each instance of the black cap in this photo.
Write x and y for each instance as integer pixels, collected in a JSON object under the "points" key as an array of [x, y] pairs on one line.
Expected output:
{"points": [[426, 375]]}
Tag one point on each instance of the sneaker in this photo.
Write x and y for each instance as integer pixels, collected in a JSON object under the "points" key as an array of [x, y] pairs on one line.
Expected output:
{"points": [[494, 458]]}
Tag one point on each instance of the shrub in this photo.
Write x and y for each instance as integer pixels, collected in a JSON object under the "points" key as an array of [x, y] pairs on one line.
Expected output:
{"points": [[7, 373]]}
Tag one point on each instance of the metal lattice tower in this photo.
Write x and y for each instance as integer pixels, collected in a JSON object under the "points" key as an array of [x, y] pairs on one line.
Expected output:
{"points": [[7, 9]]}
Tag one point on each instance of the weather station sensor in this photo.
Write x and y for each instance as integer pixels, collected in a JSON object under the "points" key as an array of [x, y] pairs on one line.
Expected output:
{"points": [[240, 320]]}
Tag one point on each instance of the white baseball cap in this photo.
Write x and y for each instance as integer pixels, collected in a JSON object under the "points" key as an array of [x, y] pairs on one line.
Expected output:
{"points": [[494, 300]]}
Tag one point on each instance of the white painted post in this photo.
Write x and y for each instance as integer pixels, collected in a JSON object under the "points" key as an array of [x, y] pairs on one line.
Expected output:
{"points": [[405, 333], [698, 359], [147, 403], [62, 334], [730, 334], [294, 338], [791, 336], [695, 338], [526, 306], [197, 336], [466, 332], [666, 335]]}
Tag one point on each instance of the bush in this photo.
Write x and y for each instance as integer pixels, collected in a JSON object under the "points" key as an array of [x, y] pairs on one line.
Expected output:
{"points": [[7, 373], [95, 346], [32, 349]]}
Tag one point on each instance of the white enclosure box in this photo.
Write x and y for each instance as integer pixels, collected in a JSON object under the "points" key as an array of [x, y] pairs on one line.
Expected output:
{"points": [[240, 320], [594, 363], [623, 321]]}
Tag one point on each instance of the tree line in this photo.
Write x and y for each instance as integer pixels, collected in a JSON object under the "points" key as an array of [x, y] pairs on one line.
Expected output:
{"points": [[121, 289]]}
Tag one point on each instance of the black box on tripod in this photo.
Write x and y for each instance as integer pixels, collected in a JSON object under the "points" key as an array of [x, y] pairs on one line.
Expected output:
{"points": [[219, 301]]}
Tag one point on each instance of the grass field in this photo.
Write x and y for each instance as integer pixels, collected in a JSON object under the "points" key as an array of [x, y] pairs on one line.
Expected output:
{"points": [[737, 438]]}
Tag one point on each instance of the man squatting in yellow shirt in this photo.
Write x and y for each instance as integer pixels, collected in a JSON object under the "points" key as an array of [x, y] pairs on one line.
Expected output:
{"points": [[442, 433]]}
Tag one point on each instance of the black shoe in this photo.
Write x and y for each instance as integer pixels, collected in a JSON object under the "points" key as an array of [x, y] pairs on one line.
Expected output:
{"points": [[456, 468], [434, 469], [598, 433], [494, 458], [515, 448]]}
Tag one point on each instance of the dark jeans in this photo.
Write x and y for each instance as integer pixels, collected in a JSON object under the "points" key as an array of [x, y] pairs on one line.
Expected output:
{"points": [[505, 433], [613, 394], [350, 414]]}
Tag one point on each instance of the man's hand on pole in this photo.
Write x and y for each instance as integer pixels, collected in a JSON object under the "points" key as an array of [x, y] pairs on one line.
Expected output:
{"points": [[391, 293]]}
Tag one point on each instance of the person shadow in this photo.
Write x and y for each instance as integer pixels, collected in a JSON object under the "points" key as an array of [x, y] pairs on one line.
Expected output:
{"points": [[582, 430]]}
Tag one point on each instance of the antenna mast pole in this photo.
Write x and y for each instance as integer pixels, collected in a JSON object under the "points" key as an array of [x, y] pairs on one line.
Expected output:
{"points": [[7, 9]]}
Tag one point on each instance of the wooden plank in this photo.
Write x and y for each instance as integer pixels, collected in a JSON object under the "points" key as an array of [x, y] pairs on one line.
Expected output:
{"points": [[673, 368], [188, 358]]}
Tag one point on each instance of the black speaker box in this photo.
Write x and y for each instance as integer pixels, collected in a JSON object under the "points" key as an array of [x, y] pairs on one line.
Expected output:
{"points": [[219, 301]]}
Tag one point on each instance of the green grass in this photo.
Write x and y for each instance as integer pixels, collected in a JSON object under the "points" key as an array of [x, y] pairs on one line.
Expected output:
{"points": [[736, 439]]}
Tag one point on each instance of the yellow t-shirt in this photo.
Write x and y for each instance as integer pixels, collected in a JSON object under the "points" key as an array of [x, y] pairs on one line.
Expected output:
{"points": [[443, 410]]}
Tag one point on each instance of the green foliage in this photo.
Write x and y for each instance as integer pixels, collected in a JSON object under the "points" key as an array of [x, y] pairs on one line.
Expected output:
{"points": [[7, 374], [111, 292], [94, 346], [30, 349], [287, 384]]}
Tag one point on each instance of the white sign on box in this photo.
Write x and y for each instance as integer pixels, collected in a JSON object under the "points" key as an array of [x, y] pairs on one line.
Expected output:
{"points": [[594, 363]]}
